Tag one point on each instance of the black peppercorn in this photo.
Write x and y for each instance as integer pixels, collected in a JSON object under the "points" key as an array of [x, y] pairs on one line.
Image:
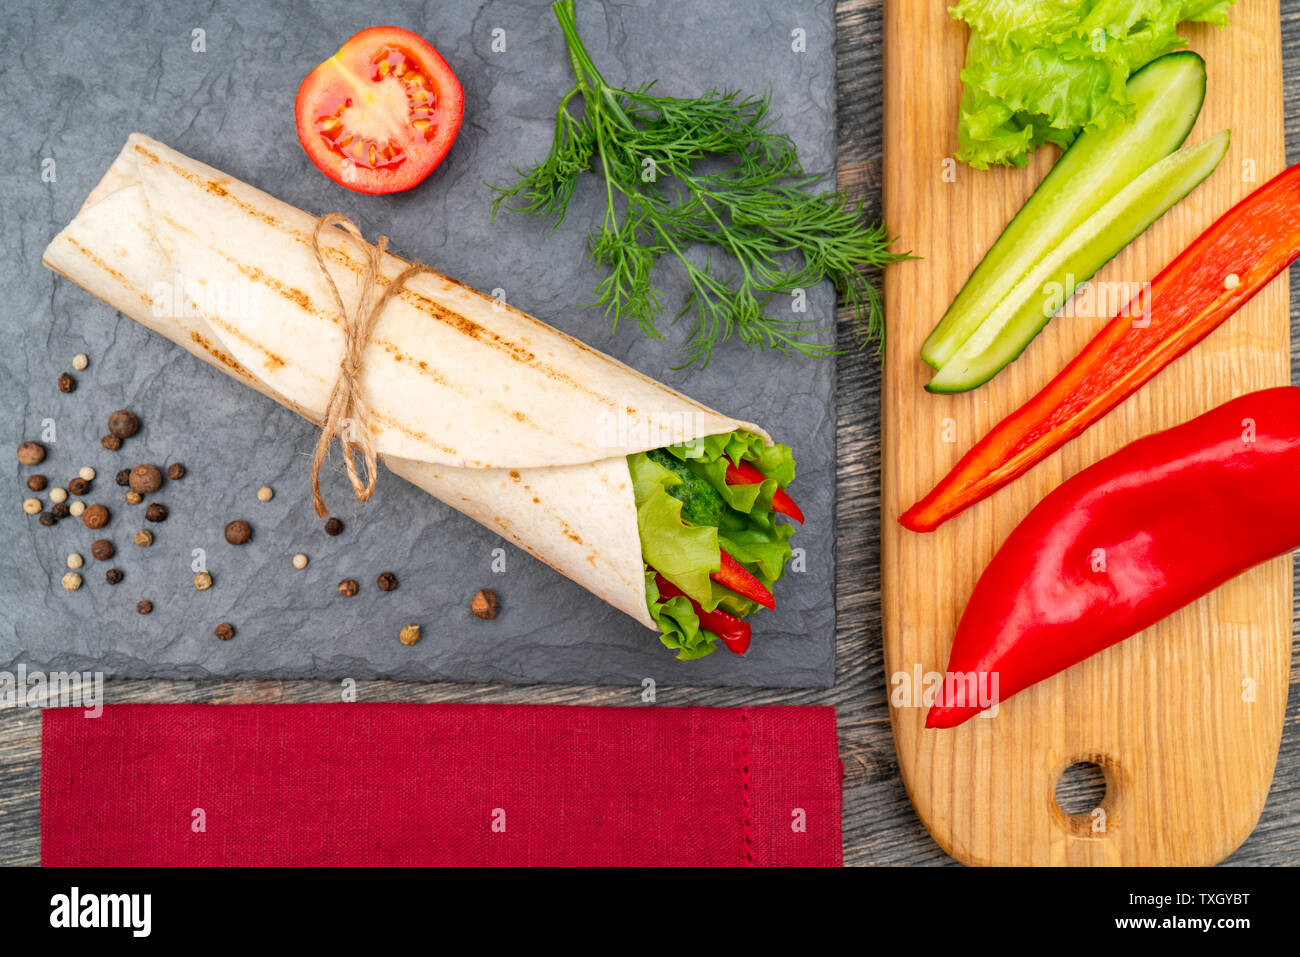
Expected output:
{"points": [[67, 383], [96, 516], [175, 471], [387, 581], [156, 512], [225, 631], [46, 518], [36, 482], [103, 549], [31, 453], [485, 604], [78, 486], [145, 479], [124, 478], [333, 527], [59, 510], [113, 576], [123, 424], [238, 532]]}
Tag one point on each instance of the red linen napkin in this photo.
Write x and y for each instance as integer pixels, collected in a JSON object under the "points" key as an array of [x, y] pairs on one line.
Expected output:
{"points": [[407, 784]]}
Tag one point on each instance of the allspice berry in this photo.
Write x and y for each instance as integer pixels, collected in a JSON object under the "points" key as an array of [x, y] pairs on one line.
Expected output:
{"points": [[410, 634], [67, 383], [156, 512], [144, 606], [485, 604], [111, 442], [95, 516], [123, 424], [47, 519], [60, 510], [36, 483], [78, 486], [102, 549], [238, 532], [176, 471], [146, 479], [387, 581], [31, 453], [225, 631], [348, 587]]}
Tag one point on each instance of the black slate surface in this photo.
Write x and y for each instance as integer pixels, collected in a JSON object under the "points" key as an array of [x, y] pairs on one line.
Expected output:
{"points": [[83, 75]]}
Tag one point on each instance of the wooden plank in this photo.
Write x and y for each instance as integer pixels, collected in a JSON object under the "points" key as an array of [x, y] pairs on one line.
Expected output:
{"points": [[1188, 757]]}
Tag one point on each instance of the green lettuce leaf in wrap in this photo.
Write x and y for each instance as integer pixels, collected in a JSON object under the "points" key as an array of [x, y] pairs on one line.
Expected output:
{"points": [[698, 505]]}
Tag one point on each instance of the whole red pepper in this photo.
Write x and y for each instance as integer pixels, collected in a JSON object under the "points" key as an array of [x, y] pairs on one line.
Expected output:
{"points": [[733, 631], [1126, 542]]}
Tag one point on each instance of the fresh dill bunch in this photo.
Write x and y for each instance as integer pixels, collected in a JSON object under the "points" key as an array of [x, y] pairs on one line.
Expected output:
{"points": [[758, 213]]}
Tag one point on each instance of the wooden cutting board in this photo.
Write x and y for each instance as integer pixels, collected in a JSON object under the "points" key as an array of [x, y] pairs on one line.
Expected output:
{"points": [[1185, 718]]}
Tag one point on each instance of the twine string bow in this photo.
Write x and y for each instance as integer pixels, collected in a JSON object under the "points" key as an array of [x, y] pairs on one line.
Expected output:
{"points": [[346, 416]]}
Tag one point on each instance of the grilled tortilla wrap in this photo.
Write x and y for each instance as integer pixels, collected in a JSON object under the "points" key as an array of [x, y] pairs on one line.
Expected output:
{"points": [[522, 428]]}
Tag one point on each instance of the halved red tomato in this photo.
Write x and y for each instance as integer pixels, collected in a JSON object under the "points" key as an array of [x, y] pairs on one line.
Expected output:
{"points": [[379, 115]]}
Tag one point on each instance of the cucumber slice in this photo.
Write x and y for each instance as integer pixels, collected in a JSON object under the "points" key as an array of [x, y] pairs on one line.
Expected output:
{"points": [[1036, 298], [1167, 94]]}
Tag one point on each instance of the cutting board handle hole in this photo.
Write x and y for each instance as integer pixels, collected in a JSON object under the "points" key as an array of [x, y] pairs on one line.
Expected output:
{"points": [[1084, 794]]}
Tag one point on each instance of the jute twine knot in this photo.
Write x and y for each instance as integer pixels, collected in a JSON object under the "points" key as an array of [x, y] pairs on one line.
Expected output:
{"points": [[346, 415]]}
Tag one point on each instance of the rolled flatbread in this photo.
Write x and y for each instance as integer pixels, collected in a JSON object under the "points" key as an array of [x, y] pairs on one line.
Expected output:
{"points": [[517, 425]]}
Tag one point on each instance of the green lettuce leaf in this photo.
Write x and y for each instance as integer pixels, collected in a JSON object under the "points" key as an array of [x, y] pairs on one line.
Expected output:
{"points": [[687, 554], [1039, 71], [679, 626]]}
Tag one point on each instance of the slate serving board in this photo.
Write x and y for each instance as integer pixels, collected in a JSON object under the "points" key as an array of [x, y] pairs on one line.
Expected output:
{"points": [[217, 81]]}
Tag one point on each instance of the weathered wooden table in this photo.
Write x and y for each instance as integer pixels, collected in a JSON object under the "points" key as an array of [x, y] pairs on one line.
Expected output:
{"points": [[879, 826]]}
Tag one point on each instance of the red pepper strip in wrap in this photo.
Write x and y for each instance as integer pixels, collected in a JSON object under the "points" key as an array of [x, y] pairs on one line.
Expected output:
{"points": [[736, 576], [1126, 542], [745, 473], [1192, 296], [733, 632]]}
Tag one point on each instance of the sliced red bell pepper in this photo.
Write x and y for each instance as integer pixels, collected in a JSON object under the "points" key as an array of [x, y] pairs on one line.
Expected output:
{"points": [[736, 576], [1125, 543], [746, 473], [1192, 296], [733, 631]]}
